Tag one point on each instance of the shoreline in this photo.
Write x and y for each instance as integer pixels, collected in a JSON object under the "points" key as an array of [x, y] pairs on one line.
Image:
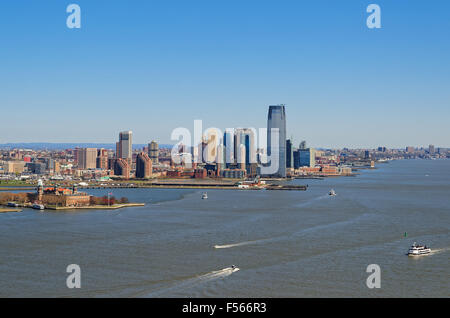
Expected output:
{"points": [[95, 207], [90, 207], [204, 186], [7, 210]]}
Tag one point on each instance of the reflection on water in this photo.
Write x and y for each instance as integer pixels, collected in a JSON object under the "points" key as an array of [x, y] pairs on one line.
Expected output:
{"points": [[286, 243]]}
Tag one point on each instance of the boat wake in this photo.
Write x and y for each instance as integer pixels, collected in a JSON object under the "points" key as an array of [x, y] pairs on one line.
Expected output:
{"points": [[435, 251], [332, 225], [309, 202], [211, 276], [243, 243], [298, 233]]}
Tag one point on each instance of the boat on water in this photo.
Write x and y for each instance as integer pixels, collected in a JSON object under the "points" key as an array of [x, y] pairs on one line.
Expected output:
{"points": [[417, 250], [13, 204], [332, 192], [204, 196], [37, 206], [234, 268]]}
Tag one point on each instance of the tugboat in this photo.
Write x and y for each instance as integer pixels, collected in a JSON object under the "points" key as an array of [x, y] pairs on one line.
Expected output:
{"points": [[204, 196], [417, 250], [332, 192]]}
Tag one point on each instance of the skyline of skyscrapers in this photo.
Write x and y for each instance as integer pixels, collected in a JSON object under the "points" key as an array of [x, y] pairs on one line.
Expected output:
{"points": [[238, 148]]}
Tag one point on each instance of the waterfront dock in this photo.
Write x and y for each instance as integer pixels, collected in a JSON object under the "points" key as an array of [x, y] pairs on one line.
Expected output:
{"points": [[287, 187]]}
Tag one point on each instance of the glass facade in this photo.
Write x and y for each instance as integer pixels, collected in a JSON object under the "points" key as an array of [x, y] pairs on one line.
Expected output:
{"points": [[277, 120]]}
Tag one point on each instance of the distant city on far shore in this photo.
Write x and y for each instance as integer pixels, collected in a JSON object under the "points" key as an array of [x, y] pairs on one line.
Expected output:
{"points": [[232, 155]]}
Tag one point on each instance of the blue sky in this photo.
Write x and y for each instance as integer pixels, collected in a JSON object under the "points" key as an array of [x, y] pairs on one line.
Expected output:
{"points": [[152, 66]]}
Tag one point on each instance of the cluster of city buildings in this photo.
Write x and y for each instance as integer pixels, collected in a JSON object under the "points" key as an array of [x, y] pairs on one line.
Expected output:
{"points": [[233, 155]]}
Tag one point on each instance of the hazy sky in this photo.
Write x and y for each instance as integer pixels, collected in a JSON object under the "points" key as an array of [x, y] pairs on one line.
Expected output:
{"points": [[152, 66]]}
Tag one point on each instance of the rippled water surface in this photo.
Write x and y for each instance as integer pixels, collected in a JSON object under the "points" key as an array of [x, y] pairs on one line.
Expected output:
{"points": [[284, 243]]}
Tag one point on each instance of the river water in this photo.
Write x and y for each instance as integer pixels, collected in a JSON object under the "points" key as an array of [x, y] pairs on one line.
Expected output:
{"points": [[285, 243]]}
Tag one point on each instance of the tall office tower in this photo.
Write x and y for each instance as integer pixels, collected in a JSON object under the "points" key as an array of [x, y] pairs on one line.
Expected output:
{"points": [[102, 159], [431, 149], [87, 158], [228, 143], [153, 151], [245, 137], [277, 121], [410, 149], [306, 157], [366, 154], [124, 148], [289, 154], [143, 166], [122, 168]]}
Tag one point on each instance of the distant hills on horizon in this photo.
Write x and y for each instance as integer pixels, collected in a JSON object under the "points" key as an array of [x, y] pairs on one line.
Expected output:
{"points": [[62, 146]]}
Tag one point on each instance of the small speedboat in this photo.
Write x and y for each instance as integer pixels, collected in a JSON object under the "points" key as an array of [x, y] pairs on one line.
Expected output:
{"points": [[234, 268], [204, 196], [332, 192], [417, 250]]}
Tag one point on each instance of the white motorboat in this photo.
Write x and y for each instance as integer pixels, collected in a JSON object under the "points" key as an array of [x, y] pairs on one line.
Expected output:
{"points": [[38, 206], [204, 196], [332, 192], [417, 250]]}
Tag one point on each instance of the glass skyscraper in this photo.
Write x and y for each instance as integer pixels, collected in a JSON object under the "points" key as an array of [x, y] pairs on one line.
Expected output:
{"points": [[277, 120], [124, 148]]}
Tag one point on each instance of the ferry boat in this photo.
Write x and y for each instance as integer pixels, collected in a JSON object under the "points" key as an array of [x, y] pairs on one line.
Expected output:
{"points": [[417, 250], [38, 206], [332, 192], [204, 196]]}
